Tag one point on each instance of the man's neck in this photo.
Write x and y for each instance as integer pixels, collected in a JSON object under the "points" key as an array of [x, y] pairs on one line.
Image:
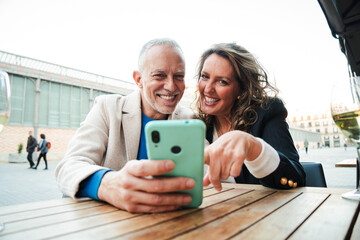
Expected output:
{"points": [[152, 113], [155, 116]]}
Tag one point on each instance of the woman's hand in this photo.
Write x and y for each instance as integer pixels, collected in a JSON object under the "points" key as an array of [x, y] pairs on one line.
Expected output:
{"points": [[227, 154]]}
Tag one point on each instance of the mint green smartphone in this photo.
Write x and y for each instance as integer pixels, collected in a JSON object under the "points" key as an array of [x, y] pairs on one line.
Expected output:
{"points": [[183, 142]]}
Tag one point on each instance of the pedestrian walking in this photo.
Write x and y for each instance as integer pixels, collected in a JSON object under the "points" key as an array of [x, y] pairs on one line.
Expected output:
{"points": [[42, 147], [306, 145], [30, 148]]}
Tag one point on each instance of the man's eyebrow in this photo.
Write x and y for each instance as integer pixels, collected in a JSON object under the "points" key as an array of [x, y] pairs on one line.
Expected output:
{"points": [[164, 71], [158, 70]]}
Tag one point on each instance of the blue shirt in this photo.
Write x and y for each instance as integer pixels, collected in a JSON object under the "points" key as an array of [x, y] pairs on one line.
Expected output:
{"points": [[142, 153], [90, 186]]}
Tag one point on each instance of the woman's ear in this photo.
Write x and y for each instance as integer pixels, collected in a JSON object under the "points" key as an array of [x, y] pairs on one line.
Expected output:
{"points": [[137, 78]]}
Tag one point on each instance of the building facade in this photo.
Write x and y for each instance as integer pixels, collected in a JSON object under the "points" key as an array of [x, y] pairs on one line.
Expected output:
{"points": [[50, 99], [331, 135]]}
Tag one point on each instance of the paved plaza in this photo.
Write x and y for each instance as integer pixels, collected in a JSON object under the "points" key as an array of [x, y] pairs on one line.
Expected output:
{"points": [[18, 184]]}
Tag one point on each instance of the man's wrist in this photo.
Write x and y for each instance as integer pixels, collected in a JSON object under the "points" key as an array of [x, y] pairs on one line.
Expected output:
{"points": [[103, 189], [89, 187]]}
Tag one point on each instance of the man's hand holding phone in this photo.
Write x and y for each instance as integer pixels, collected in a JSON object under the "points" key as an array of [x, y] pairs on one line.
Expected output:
{"points": [[131, 190], [182, 141]]}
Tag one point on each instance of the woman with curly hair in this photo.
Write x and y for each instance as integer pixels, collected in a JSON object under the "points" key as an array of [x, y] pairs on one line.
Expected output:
{"points": [[246, 127]]}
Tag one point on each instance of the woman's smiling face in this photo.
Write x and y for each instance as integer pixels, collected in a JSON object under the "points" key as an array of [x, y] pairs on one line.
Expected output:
{"points": [[218, 86]]}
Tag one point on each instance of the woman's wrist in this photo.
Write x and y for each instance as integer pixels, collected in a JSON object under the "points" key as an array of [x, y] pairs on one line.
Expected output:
{"points": [[255, 148], [266, 163]]}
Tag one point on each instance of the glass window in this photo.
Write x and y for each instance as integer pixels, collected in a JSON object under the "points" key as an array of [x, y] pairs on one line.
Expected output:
{"points": [[44, 103], [54, 105], [65, 98], [17, 99], [60, 105], [98, 93], [75, 107], [85, 103], [29, 103]]}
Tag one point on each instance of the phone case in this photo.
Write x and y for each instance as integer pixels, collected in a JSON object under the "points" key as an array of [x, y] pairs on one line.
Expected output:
{"points": [[183, 142]]}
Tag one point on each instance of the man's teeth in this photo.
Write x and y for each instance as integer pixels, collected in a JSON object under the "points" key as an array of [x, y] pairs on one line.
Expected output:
{"points": [[211, 100], [167, 97]]}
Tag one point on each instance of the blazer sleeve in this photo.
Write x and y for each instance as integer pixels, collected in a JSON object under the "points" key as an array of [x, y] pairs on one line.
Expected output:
{"points": [[85, 151], [273, 128]]}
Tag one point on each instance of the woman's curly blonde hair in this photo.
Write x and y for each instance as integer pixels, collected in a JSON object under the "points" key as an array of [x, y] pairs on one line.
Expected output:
{"points": [[255, 88]]}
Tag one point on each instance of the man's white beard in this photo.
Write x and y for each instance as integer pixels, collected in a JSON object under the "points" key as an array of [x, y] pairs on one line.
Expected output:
{"points": [[155, 106]]}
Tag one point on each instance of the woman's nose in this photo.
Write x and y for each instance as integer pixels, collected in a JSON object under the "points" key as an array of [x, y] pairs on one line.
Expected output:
{"points": [[209, 87]]}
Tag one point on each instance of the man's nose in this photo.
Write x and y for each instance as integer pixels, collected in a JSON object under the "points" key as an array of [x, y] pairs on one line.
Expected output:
{"points": [[170, 84]]}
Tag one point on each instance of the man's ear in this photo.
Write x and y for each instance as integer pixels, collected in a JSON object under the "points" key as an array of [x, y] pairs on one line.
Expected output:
{"points": [[137, 78]]}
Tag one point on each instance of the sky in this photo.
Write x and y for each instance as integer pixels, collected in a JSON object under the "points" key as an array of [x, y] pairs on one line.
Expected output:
{"points": [[291, 38]]}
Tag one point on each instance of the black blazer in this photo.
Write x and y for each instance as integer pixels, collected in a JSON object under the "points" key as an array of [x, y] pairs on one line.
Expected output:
{"points": [[271, 126]]}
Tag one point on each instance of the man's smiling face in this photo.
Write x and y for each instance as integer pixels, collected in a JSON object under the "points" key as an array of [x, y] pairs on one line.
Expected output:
{"points": [[161, 81]]}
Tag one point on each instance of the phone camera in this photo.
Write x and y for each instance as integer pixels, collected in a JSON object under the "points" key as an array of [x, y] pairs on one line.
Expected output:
{"points": [[176, 149], [155, 136]]}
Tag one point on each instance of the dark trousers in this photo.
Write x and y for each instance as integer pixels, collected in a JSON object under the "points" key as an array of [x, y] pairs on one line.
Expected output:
{"points": [[30, 159], [42, 155]]}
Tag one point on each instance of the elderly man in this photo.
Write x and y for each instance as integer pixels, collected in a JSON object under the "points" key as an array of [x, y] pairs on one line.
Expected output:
{"points": [[101, 158]]}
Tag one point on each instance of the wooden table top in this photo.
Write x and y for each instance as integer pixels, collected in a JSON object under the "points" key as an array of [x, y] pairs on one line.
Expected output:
{"points": [[240, 211], [346, 163]]}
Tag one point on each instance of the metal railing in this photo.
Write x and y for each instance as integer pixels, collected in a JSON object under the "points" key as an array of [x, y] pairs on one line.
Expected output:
{"points": [[31, 63]]}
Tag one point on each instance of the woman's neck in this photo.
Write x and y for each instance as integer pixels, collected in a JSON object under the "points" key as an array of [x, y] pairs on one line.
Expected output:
{"points": [[222, 125]]}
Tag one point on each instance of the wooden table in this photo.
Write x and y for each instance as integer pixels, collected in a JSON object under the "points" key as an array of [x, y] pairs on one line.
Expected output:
{"points": [[238, 212], [346, 163]]}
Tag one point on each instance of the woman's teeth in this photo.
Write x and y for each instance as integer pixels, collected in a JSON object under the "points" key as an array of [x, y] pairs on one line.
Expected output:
{"points": [[211, 100]]}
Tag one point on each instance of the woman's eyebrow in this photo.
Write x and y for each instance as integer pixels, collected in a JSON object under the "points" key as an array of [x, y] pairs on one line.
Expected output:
{"points": [[217, 77]]}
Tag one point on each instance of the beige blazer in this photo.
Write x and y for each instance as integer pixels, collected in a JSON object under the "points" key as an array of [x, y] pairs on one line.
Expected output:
{"points": [[108, 138]]}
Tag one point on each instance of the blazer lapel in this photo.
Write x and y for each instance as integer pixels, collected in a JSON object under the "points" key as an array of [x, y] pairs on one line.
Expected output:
{"points": [[181, 113], [131, 124]]}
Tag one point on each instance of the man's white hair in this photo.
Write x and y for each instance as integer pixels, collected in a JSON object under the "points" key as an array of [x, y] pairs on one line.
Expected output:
{"points": [[157, 42]]}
